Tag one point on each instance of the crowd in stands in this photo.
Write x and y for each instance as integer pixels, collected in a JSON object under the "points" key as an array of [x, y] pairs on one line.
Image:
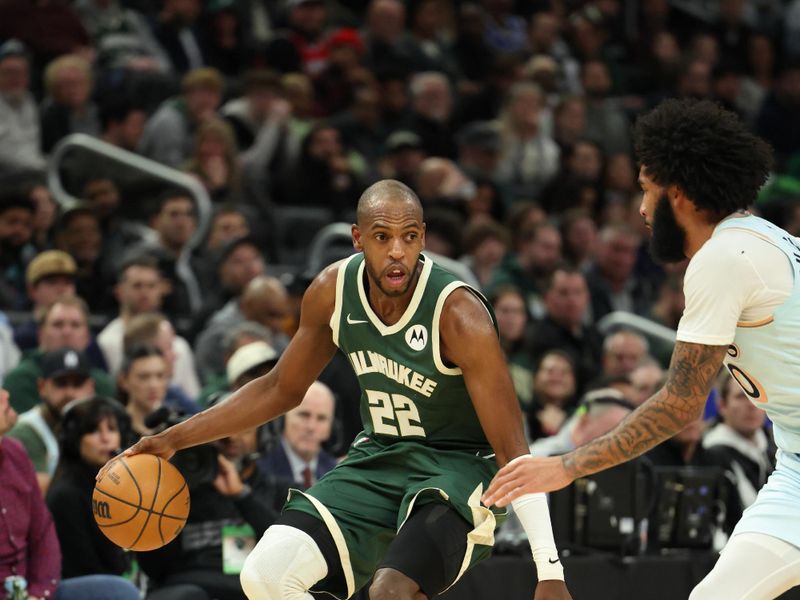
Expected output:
{"points": [[125, 307]]}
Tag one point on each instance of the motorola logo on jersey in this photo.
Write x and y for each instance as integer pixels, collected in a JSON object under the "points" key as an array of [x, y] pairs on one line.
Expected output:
{"points": [[417, 337]]}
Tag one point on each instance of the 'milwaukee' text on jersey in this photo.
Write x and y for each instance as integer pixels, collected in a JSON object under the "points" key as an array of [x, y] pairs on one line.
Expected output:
{"points": [[409, 392]]}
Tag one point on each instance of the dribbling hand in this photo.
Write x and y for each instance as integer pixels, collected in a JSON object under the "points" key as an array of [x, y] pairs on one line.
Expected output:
{"points": [[157, 445]]}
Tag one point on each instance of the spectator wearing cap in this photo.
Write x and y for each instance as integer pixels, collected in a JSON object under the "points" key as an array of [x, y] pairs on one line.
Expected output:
{"points": [[249, 362], [169, 133], [237, 263], [140, 289], [63, 324], [241, 335], [403, 158], [16, 230], [299, 456], [65, 376], [49, 276], [68, 107], [20, 143], [265, 301], [479, 149], [79, 234]]}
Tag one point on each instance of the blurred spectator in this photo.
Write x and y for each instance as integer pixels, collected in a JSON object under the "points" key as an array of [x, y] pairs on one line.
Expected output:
{"points": [[178, 33], [168, 135], [35, 187], [175, 222], [139, 290], [299, 456], [598, 413], [384, 35], [303, 46], [78, 233], [249, 114], [479, 149], [544, 37], [537, 252], [121, 123], [263, 300], [512, 327], [504, 31], [143, 381], [647, 378], [682, 449], [605, 120], [432, 105], [361, 125], [554, 394], [228, 223], [704, 47], [670, 302], [248, 362], [732, 31], [430, 46], [726, 86], [740, 442], [49, 276], [154, 329], [569, 121], [326, 173], [394, 97], [473, 53], [68, 107], [529, 157], [579, 235], [758, 75], [485, 245], [579, 184], [223, 26], [65, 376], [64, 324], [236, 263], [20, 137], [443, 231], [564, 326], [778, 121], [619, 181], [215, 161], [404, 155], [49, 29], [441, 183], [333, 88], [16, 230], [121, 36], [623, 351], [694, 80], [612, 281]]}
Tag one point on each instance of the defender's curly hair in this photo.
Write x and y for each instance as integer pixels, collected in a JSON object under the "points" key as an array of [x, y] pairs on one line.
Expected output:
{"points": [[705, 150]]}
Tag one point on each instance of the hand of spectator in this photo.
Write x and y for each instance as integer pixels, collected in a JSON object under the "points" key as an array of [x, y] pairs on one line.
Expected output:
{"points": [[339, 164], [552, 418], [227, 482], [280, 111]]}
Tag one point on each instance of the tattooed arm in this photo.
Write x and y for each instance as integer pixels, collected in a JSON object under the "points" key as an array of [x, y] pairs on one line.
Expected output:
{"points": [[673, 407]]}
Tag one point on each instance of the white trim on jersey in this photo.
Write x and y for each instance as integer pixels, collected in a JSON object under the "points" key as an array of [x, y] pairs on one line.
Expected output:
{"points": [[336, 317]]}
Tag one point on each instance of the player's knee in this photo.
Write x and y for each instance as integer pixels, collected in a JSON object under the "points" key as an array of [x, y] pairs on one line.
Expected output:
{"points": [[390, 584], [705, 590], [283, 566]]}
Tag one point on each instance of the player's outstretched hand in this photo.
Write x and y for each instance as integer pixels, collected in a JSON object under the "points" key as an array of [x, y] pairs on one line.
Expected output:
{"points": [[551, 589], [526, 475], [150, 444]]}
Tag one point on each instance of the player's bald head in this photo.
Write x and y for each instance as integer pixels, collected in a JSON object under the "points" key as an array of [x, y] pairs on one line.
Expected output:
{"points": [[381, 194]]}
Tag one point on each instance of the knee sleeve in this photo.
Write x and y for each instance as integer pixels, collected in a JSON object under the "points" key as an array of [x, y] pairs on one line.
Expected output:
{"points": [[283, 566], [753, 566]]}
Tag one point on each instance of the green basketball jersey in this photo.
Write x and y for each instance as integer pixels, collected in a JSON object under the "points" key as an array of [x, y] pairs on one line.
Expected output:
{"points": [[408, 392]]}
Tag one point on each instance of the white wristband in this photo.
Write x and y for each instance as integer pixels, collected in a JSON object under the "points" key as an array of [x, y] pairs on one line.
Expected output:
{"points": [[534, 515]]}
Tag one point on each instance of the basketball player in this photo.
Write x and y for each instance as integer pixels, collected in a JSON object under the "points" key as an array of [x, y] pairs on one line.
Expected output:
{"points": [[439, 415], [700, 170]]}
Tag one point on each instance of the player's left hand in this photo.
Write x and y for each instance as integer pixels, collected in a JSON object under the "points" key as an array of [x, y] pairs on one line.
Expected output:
{"points": [[227, 482], [551, 589], [526, 475]]}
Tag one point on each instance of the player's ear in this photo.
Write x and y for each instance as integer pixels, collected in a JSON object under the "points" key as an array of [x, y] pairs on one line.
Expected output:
{"points": [[356, 233]]}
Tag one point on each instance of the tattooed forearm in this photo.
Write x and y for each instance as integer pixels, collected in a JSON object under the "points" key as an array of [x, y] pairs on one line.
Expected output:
{"points": [[678, 403]]}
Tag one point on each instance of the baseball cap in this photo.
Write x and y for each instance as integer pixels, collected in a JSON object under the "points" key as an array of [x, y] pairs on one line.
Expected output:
{"points": [[482, 134], [228, 248], [65, 361], [248, 357], [50, 262], [400, 140], [13, 47]]}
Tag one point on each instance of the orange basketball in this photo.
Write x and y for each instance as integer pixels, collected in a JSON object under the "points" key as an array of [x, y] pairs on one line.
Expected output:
{"points": [[141, 502]]}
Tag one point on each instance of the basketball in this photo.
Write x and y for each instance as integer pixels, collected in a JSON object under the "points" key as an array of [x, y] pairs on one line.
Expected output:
{"points": [[141, 502]]}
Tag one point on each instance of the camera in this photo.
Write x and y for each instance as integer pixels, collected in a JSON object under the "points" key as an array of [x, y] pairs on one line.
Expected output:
{"points": [[198, 464]]}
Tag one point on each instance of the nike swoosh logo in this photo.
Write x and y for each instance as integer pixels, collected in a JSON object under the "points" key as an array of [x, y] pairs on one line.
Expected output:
{"points": [[552, 562], [353, 321]]}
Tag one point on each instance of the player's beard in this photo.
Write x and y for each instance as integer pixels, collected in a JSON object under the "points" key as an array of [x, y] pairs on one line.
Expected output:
{"points": [[668, 242]]}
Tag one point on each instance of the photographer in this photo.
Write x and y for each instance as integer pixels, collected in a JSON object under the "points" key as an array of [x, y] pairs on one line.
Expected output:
{"points": [[233, 503]]}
